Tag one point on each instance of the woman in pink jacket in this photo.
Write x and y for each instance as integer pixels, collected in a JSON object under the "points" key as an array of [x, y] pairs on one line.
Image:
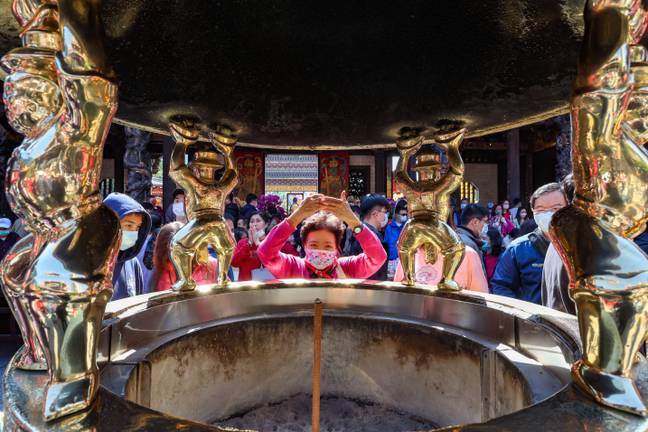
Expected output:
{"points": [[321, 234]]}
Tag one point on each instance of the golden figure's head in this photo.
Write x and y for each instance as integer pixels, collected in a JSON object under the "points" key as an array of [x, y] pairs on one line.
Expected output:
{"points": [[636, 117], [205, 163], [428, 165], [32, 96]]}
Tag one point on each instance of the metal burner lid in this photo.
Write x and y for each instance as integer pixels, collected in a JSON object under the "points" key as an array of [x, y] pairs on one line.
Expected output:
{"points": [[340, 73]]}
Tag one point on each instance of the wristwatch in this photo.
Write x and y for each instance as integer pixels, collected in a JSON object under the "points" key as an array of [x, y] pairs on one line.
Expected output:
{"points": [[357, 230]]}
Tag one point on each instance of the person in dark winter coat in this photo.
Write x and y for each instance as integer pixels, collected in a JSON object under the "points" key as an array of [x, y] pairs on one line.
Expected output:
{"points": [[474, 225], [519, 270], [393, 229], [128, 278]]}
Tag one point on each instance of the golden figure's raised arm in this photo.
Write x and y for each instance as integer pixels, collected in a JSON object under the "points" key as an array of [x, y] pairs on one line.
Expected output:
{"points": [[184, 135], [83, 38], [450, 142], [408, 144], [224, 142]]}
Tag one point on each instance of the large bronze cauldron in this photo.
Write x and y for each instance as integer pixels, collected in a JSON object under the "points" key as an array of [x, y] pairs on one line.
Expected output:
{"points": [[340, 73]]}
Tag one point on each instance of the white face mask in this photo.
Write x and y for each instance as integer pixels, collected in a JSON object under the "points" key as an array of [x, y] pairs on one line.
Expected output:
{"points": [[320, 259], [383, 224], [484, 230], [543, 220], [128, 240], [402, 219], [178, 209]]}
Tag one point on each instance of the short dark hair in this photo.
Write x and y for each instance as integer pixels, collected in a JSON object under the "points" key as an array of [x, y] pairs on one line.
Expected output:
{"points": [[568, 187], [178, 192], [370, 202], [544, 189], [230, 216], [250, 197], [322, 221], [400, 205], [473, 211], [239, 234]]}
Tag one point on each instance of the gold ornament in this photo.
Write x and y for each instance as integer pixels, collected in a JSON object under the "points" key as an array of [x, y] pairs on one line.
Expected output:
{"points": [[607, 270], [58, 280], [428, 202], [205, 201]]}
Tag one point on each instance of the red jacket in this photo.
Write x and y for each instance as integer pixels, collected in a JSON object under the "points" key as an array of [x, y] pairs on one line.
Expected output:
{"points": [[245, 258], [202, 274]]}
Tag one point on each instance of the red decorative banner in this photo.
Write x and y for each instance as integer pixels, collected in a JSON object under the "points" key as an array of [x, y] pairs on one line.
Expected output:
{"points": [[251, 173], [333, 173]]}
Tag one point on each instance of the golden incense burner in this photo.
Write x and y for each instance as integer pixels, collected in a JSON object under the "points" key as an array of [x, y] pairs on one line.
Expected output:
{"points": [[497, 361]]}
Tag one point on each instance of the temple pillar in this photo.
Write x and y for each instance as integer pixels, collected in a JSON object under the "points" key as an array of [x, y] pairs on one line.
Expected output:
{"points": [[513, 164]]}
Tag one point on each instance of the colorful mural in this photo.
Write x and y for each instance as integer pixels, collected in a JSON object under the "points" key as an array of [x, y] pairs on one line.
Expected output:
{"points": [[334, 173], [251, 173]]}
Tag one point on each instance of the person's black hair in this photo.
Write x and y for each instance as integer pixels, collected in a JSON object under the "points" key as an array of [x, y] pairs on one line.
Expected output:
{"points": [[148, 206], [370, 202], [400, 205], [156, 221], [265, 216], [495, 241], [528, 227], [568, 187], [230, 217], [473, 211], [178, 192], [238, 234], [518, 216], [250, 197], [516, 201], [230, 196]]}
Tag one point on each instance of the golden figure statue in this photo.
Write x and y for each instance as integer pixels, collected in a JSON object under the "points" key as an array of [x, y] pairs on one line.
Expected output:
{"points": [[61, 97], [608, 273], [33, 70], [428, 201], [205, 201]]}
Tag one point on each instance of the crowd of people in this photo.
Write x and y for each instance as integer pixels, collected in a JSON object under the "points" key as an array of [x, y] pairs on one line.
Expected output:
{"points": [[508, 251]]}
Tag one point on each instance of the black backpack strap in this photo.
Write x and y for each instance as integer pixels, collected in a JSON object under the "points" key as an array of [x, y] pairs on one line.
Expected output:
{"points": [[539, 242]]}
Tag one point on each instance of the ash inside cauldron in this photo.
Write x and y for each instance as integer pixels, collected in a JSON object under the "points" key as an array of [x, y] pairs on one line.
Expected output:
{"points": [[337, 415]]}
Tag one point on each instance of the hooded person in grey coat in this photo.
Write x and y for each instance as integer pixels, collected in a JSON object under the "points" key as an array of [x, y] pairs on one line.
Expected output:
{"points": [[128, 278]]}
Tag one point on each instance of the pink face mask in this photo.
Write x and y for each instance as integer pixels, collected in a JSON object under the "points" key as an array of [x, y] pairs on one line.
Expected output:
{"points": [[321, 259]]}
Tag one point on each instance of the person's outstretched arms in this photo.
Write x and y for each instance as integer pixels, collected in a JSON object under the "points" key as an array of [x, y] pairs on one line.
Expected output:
{"points": [[283, 265], [374, 255]]}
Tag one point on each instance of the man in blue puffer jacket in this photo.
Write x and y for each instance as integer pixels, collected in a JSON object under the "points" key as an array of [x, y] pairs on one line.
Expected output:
{"points": [[128, 278], [519, 271]]}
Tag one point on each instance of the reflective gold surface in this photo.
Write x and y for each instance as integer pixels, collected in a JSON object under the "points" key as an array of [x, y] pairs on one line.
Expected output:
{"points": [[428, 201], [608, 272], [59, 279], [205, 202]]}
